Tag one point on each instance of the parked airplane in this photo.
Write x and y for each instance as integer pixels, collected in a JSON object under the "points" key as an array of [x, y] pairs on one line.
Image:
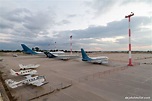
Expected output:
{"points": [[36, 81], [23, 72], [30, 66], [62, 57], [57, 54], [100, 60], [27, 50]]}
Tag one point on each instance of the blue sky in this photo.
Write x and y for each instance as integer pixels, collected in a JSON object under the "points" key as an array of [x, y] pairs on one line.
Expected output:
{"points": [[94, 24]]}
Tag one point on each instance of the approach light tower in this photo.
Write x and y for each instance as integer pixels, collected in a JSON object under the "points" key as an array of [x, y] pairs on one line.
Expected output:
{"points": [[130, 59]]}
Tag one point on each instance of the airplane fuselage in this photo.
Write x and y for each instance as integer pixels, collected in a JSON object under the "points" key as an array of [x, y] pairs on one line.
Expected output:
{"points": [[26, 72], [32, 79]]}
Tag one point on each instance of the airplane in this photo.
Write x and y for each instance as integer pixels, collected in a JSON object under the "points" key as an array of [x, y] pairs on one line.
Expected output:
{"points": [[99, 60], [61, 57], [30, 66], [23, 72], [27, 50], [36, 81], [57, 54]]}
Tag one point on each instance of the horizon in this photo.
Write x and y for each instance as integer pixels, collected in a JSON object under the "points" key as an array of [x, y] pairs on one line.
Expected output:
{"points": [[148, 51]]}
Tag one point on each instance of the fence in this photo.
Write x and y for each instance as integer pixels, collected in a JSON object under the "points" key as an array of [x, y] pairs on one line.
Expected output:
{"points": [[105, 73]]}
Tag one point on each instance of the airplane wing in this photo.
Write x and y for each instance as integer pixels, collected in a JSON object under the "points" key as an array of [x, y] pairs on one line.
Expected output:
{"points": [[37, 83], [94, 61]]}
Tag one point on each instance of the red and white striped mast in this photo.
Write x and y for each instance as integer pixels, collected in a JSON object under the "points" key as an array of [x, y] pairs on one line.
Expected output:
{"points": [[71, 44], [130, 58]]}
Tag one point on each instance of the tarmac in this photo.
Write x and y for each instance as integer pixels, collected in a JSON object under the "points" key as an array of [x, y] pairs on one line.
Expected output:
{"points": [[76, 80]]}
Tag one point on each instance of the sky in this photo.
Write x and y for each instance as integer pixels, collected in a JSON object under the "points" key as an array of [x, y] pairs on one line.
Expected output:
{"points": [[97, 25]]}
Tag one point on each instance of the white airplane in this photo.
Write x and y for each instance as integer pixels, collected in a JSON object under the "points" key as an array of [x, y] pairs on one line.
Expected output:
{"points": [[36, 81], [23, 72], [30, 66], [62, 57], [27, 50], [99, 60]]}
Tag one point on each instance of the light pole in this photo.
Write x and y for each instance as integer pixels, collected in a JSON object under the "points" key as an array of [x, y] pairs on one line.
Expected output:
{"points": [[130, 59], [55, 46], [71, 44]]}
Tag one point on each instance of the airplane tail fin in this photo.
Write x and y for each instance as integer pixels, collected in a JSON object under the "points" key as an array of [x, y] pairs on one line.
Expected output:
{"points": [[84, 55], [13, 72], [49, 55], [27, 50]]}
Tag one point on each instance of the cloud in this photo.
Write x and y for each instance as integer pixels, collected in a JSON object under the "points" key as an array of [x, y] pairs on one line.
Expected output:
{"points": [[5, 24], [38, 21], [21, 25], [5, 37], [124, 2], [100, 6], [71, 15], [115, 28], [17, 15], [114, 33], [63, 22], [103, 7], [22, 21]]}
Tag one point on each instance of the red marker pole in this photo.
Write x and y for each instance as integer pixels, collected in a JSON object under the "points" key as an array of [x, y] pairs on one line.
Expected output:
{"points": [[130, 58]]}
